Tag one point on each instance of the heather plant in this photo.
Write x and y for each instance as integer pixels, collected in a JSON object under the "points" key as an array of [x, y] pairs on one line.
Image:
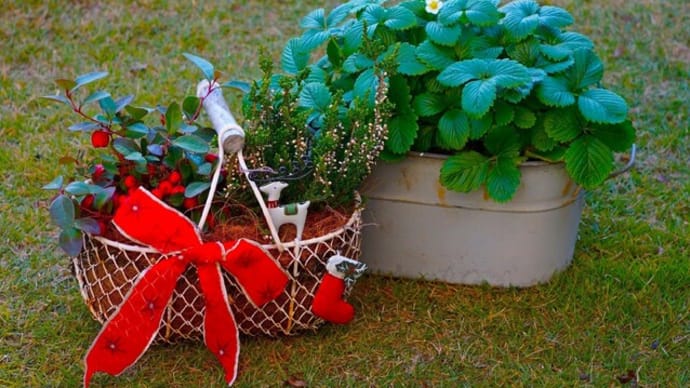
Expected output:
{"points": [[489, 85], [323, 139]]}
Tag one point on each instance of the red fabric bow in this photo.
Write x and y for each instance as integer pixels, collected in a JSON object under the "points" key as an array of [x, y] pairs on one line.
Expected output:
{"points": [[129, 332]]}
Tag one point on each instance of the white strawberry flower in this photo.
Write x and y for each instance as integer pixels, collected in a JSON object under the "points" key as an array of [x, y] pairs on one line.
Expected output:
{"points": [[433, 6]]}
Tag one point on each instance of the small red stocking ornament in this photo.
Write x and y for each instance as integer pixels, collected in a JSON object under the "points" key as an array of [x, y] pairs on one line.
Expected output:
{"points": [[328, 301]]}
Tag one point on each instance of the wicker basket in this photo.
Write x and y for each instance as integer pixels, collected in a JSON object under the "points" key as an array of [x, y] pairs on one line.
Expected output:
{"points": [[107, 269]]}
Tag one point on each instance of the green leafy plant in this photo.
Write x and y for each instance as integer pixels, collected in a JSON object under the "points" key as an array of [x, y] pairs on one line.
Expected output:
{"points": [[322, 134], [164, 149], [492, 86]]}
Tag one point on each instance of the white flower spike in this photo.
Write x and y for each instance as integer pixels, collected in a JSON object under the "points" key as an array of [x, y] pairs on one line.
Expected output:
{"points": [[433, 6]]}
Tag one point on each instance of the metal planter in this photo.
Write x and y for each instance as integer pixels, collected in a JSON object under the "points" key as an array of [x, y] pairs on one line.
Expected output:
{"points": [[422, 230]]}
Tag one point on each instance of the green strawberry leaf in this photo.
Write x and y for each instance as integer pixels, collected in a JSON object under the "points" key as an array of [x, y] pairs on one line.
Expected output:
{"points": [[602, 106], [563, 125], [465, 172], [453, 129], [504, 179], [588, 161]]}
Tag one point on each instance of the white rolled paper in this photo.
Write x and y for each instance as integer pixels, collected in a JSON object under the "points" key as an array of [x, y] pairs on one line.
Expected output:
{"points": [[231, 135]]}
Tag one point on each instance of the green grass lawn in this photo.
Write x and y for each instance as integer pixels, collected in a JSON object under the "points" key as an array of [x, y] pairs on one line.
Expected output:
{"points": [[623, 305]]}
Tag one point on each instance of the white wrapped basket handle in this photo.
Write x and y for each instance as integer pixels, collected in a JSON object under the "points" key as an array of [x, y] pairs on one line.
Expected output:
{"points": [[231, 141]]}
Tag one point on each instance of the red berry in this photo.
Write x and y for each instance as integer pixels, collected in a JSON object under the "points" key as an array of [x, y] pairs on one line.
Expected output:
{"points": [[98, 171], [157, 193], [211, 158], [87, 202], [131, 182], [165, 187], [179, 189], [189, 203], [175, 177], [151, 169], [100, 139]]}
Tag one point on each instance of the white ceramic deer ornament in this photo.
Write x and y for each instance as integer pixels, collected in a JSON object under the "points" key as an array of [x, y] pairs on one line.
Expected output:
{"points": [[292, 213]]}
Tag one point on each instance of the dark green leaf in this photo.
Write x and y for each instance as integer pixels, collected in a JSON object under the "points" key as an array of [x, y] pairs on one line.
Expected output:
{"points": [[428, 104], [88, 78], [365, 86], [521, 18], [554, 17], [482, 13], [78, 188], [125, 146], [409, 64], [504, 179], [541, 140], [524, 118], [70, 240], [173, 118], [295, 56], [503, 113], [108, 106], [353, 36], [315, 20], [553, 91], [602, 106], [478, 127], [338, 14], [316, 96], [587, 69], [55, 184], [137, 130], [62, 211], [205, 66], [357, 62], [400, 18], [137, 113], [95, 97], [443, 35], [87, 225], [436, 57], [402, 131], [618, 137], [465, 172], [588, 161], [242, 86], [57, 98], [453, 129], [562, 125], [123, 102], [335, 54], [196, 188], [503, 141], [190, 105], [192, 143], [478, 96]]}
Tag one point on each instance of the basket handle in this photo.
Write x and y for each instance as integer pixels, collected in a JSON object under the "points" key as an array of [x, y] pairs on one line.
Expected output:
{"points": [[230, 140]]}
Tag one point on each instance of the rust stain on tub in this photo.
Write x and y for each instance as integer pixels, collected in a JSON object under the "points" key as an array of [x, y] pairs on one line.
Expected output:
{"points": [[567, 188], [441, 194]]}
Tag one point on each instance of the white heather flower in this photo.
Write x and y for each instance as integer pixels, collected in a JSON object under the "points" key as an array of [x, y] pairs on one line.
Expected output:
{"points": [[432, 6]]}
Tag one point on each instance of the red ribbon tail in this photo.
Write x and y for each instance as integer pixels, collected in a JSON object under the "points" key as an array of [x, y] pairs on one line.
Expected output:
{"points": [[129, 332], [220, 329], [245, 260]]}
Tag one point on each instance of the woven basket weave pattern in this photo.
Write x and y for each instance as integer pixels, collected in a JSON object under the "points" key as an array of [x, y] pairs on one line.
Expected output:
{"points": [[107, 270]]}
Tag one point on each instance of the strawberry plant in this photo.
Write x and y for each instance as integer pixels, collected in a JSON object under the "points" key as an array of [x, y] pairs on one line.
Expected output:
{"points": [[489, 85]]}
